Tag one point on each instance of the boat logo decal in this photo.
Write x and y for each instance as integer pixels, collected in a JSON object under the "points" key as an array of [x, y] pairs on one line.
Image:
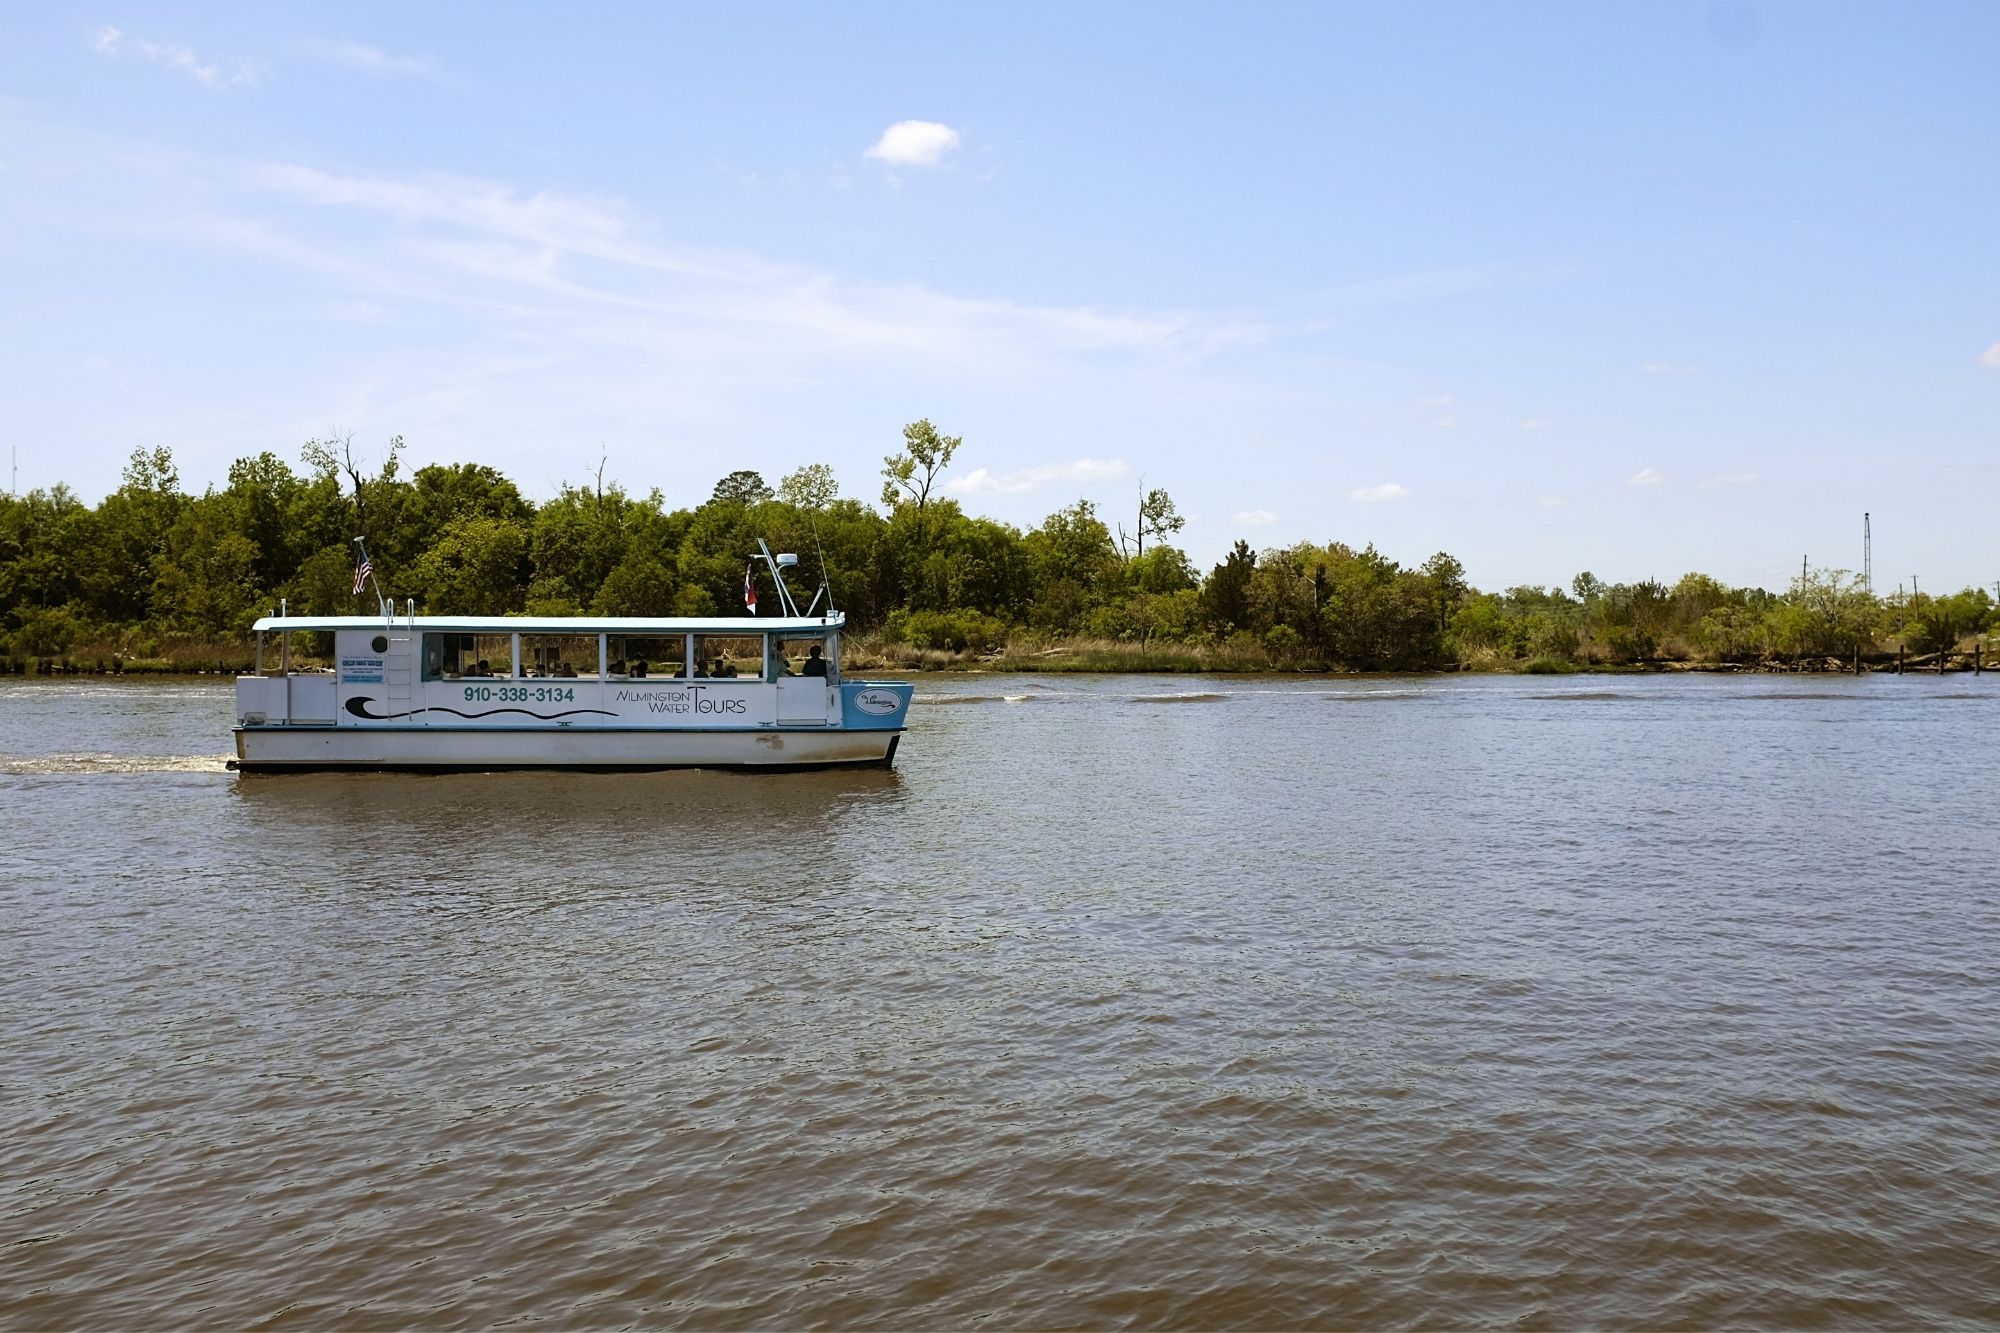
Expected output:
{"points": [[359, 707], [878, 701]]}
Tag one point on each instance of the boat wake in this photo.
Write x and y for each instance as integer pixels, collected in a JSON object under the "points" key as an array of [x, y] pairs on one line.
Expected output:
{"points": [[1189, 698], [73, 764], [1582, 696]]}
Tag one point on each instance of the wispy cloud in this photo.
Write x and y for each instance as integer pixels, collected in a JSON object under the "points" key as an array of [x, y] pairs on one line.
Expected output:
{"points": [[914, 143], [590, 302], [112, 43], [374, 60], [1537, 423], [1255, 518], [981, 481], [1666, 368], [1730, 479], [1436, 411], [1646, 476], [1991, 357], [1551, 501], [1388, 490], [468, 227]]}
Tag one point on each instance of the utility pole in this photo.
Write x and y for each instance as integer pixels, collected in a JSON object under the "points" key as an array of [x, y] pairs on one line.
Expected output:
{"points": [[1802, 573], [1867, 557]]}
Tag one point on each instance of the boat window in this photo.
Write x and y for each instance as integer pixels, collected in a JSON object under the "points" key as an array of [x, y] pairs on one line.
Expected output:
{"points": [[798, 656], [721, 656], [645, 656], [467, 656], [559, 655]]}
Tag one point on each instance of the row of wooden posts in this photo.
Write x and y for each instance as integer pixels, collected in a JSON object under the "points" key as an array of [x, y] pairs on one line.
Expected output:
{"points": [[1903, 666]]}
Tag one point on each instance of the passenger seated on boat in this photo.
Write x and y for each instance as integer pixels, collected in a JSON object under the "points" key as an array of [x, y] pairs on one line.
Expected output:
{"points": [[679, 671], [722, 670], [779, 666], [616, 668], [566, 671], [815, 664], [481, 668], [639, 670]]}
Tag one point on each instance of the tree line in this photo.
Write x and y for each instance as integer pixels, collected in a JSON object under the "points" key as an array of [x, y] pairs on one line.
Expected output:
{"points": [[153, 565]]}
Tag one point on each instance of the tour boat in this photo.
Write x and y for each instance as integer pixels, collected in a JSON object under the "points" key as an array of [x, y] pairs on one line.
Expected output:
{"points": [[590, 692]]}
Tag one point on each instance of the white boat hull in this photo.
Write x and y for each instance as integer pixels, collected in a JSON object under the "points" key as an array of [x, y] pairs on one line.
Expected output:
{"points": [[294, 748]]}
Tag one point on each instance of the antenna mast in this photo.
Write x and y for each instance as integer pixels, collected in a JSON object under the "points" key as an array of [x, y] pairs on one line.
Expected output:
{"points": [[1867, 557]]}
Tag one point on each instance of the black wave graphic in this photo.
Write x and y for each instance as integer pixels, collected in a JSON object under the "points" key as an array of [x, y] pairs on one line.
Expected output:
{"points": [[359, 707]]}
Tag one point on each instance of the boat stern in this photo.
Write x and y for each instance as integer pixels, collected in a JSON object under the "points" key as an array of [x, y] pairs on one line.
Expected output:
{"points": [[875, 705]]}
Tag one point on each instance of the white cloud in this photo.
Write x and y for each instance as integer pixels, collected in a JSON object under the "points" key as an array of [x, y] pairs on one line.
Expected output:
{"points": [[1551, 501], [1436, 409], [1537, 423], [1730, 479], [981, 481], [914, 143], [1991, 356], [111, 43], [1666, 368], [489, 231], [1255, 518], [1388, 490], [562, 303], [1646, 476], [374, 60]]}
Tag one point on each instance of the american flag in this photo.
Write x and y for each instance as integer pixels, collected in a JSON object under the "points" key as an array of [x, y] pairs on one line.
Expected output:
{"points": [[749, 590], [361, 573]]}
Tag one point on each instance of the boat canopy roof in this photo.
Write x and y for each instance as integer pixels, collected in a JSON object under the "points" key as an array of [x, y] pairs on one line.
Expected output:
{"points": [[801, 626]]}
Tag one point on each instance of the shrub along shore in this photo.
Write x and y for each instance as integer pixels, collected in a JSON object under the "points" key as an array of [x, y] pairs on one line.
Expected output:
{"points": [[156, 579]]}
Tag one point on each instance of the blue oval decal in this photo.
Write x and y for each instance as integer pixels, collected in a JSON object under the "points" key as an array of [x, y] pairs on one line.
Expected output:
{"points": [[877, 701]]}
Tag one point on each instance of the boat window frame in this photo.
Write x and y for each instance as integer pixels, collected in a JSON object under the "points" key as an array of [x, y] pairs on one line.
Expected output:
{"points": [[829, 653], [624, 657], [763, 639], [472, 638]]}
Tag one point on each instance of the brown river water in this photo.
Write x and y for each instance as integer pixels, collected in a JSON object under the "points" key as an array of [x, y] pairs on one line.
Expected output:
{"points": [[1122, 1002]]}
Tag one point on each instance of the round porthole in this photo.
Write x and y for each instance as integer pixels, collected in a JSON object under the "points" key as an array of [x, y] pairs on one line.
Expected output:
{"points": [[381, 644]]}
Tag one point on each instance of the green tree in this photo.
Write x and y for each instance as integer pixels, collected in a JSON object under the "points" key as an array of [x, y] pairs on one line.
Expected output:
{"points": [[910, 476], [811, 488], [1227, 593], [741, 488], [375, 497], [477, 567], [1936, 624], [639, 586], [205, 577], [1157, 519]]}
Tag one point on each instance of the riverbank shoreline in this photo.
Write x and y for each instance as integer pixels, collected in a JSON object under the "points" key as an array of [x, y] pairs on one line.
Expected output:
{"points": [[1057, 662]]}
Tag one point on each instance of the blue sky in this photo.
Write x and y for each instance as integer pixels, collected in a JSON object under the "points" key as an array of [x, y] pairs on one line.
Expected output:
{"points": [[1639, 288]]}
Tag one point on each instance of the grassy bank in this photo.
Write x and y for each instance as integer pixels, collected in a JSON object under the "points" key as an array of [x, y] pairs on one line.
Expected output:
{"points": [[861, 653], [1028, 654]]}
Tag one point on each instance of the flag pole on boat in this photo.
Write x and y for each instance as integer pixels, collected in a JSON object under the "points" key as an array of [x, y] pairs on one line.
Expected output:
{"points": [[366, 571]]}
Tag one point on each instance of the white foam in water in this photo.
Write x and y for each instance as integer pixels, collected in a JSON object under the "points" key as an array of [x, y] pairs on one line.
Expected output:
{"points": [[27, 765]]}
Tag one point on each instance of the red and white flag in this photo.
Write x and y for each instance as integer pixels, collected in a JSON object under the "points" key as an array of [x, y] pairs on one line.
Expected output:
{"points": [[749, 589], [361, 573]]}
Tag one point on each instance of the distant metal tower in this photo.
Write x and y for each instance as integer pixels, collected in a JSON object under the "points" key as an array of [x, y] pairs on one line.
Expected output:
{"points": [[1867, 557]]}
